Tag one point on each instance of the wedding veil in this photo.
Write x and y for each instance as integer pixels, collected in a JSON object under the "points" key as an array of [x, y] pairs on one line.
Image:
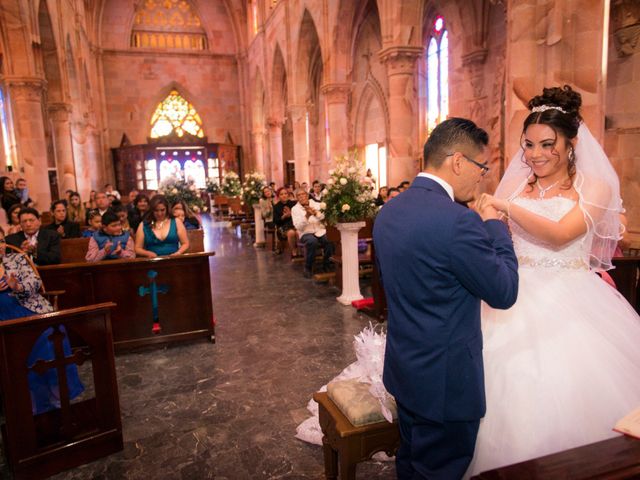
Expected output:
{"points": [[598, 189]]}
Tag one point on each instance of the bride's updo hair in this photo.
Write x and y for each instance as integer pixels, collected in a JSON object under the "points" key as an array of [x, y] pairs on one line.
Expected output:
{"points": [[568, 100], [565, 122]]}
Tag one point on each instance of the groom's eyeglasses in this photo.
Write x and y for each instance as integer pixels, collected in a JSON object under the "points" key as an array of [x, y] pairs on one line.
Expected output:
{"points": [[482, 167]]}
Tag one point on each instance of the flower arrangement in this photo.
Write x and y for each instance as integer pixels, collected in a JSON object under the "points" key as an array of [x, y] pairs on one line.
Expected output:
{"points": [[231, 186], [213, 187], [349, 194], [252, 187], [178, 189]]}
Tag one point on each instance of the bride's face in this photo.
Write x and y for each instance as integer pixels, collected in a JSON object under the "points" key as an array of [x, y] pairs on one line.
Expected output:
{"points": [[545, 151]]}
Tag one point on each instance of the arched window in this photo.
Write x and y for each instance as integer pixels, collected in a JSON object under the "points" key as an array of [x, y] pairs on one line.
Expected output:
{"points": [[175, 114], [170, 168], [194, 170], [437, 61]]}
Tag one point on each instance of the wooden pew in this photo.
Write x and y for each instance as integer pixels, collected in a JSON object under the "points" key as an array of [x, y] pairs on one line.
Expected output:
{"points": [[38, 446], [196, 240], [183, 293], [73, 250], [616, 458]]}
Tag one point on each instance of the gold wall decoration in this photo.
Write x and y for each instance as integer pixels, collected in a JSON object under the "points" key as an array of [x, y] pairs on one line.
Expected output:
{"points": [[167, 24]]}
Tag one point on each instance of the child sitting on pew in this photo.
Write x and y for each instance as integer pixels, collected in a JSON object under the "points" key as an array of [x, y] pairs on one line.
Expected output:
{"points": [[95, 222], [110, 242]]}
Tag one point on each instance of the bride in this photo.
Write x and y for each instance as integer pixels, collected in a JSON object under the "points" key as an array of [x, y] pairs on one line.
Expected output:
{"points": [[563, 364]]}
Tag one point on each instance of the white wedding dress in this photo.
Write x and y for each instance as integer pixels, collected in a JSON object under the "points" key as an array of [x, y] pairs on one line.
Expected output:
{"points": [[561, 366]]}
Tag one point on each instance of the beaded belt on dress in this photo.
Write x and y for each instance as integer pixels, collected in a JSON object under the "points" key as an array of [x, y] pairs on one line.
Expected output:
{"points": [[574, 263]]}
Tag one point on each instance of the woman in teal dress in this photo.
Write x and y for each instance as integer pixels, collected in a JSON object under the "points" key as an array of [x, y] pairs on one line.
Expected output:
{"points": [[159, 233], [19, 297]]}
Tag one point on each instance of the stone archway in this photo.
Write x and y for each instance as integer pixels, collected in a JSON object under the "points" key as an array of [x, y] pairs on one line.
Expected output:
{"points": [[308, 113], [60, 154], [258, 133], [279, 121]]}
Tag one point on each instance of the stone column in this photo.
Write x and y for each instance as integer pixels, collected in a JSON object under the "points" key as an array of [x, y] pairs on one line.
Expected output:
{"points": [[28, 121], [259, 158], [59, 114], [300, 141], [275, 151], [336, 96], [552, 43], [402, 154]]}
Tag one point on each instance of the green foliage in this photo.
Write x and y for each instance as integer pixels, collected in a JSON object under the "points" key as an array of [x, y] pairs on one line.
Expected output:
{"points": [[231, 186], [177, 189], [252, 187]]}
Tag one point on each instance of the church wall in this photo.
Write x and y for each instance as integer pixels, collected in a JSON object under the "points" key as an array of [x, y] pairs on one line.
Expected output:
{"points": [[136, 82], [622, 134]]}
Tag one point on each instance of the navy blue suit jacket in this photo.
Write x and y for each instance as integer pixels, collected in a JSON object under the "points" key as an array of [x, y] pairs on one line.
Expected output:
{"points": [[437, 260]]}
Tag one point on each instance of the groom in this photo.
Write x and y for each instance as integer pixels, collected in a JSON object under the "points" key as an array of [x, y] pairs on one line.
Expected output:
{"points": [[438, 260]]}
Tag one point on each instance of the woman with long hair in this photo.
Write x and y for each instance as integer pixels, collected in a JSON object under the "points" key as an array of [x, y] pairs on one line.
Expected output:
{"points": [[159, 233]]}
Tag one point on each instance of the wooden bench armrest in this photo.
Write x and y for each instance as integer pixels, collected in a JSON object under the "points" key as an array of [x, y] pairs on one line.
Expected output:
{"points": [[53, 293]]}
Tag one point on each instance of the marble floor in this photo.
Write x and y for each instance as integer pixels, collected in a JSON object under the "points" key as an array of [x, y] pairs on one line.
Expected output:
{"points": [[229, 410]]}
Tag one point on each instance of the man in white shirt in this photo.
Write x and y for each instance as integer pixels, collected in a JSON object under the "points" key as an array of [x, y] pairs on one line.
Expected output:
{"points": [[307, 219]]}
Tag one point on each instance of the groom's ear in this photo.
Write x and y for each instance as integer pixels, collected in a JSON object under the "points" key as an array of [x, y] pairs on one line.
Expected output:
{"points": [[455, 161]]}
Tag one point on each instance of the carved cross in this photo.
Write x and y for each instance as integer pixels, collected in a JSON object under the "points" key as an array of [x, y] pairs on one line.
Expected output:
{"points": [[60, 362], [153, 290]]}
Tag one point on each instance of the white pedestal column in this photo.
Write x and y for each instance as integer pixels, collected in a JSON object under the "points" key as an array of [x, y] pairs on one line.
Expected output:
{"points": [[257, 218], [350, 274]]}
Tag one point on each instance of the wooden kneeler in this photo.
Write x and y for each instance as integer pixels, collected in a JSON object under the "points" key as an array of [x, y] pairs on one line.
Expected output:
{"points": [[346, 445]]}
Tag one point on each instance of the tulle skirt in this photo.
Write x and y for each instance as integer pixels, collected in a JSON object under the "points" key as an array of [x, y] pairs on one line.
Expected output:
{"points": [[561, 367]]}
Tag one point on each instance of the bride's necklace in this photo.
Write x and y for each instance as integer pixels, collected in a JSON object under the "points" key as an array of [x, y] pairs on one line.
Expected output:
{"points": [[544, 190]]}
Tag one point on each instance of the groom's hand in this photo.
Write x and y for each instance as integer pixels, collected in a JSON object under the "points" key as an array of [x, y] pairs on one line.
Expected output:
{"points": [[485, 209]]}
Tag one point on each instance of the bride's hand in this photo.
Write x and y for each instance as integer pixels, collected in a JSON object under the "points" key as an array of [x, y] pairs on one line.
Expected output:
{"points": [[499, 204]]}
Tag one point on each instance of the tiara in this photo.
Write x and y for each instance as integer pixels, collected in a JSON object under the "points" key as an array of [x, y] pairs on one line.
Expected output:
{"points": [[544, 108]]}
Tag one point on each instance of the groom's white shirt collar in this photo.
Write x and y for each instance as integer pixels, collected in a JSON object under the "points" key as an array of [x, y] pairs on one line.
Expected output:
{"points": [[448, 188]]}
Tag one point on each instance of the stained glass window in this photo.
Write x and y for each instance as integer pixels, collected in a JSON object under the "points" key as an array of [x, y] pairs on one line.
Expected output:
{"points": [[175, 114], [194, 170], [437, 74], [170, 168]]}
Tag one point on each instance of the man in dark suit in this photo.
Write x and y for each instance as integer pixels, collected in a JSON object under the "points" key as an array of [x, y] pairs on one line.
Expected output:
{"points": [[43, 245], [438, 260]]}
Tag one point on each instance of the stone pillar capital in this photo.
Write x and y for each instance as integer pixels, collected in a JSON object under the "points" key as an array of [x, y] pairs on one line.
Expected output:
{"points": [[297, 112], [477, 57], [258, 132], [59, 112], [27, 89], [336, 92], [274, 123], [400, 59], [625, 16]]}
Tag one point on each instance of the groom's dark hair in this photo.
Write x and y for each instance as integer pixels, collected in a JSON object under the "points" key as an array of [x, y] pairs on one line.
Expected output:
{"points": [[454, 134]]}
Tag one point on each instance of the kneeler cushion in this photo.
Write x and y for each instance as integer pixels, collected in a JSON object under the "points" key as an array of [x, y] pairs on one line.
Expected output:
{"points": [[355, 401]]}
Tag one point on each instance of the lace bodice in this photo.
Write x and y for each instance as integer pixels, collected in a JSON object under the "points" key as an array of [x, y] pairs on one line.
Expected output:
{"points": [[534, 253]]}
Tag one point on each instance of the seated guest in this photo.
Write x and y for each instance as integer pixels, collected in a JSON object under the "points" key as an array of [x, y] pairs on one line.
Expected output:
{"points": [[403, 186], [4, 222], [102, 203], [61, 224], [13, 220], [91, 204], [316, 191], [393, 192], [19, 297], [266, 207], [307, 219], [22, 191], [382, 196], [182, 211], [8, 196], [131, 197], [159, 233], [140, 207], [76, 211], [111, 241], [121, 211], [95, 222], [284, 223], [109, 190], [43, 245]]}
